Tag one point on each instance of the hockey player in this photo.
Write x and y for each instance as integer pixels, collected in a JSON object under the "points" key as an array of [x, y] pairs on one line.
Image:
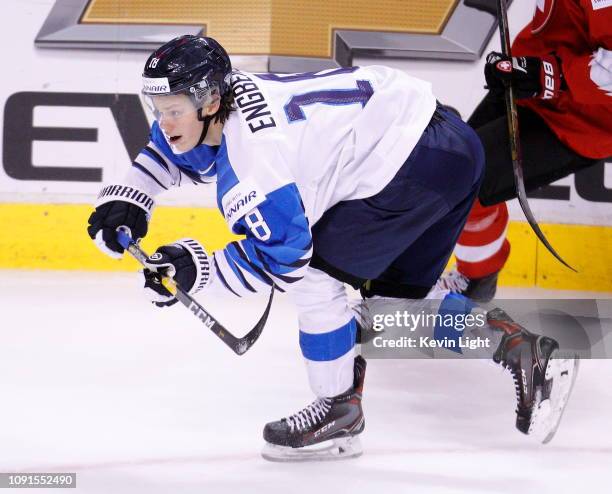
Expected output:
{"points": [[343, 175], [562, 71]]}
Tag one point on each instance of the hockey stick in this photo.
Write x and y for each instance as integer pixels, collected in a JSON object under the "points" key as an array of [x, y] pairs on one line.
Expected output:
{"points": [[238, 345], [513, 130]]}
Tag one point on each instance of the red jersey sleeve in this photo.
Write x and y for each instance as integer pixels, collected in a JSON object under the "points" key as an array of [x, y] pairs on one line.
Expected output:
{"points": [[589, 75]]}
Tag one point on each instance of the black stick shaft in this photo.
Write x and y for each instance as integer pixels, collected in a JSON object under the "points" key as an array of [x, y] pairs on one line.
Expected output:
{"points": [[515, 144], [238, 345]]}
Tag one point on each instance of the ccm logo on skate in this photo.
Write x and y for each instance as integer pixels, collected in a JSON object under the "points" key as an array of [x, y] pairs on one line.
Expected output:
{"points": [[324, 429]]}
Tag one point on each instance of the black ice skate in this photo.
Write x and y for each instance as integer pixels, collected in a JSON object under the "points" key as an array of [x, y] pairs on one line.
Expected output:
{"points": [[339, 419], [542, 378]]}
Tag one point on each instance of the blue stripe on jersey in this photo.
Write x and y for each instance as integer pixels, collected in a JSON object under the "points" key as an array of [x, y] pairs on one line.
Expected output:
{"points": [[220, 274], [328, 346], [236, 270], [194, 176], [299, 263], [282, 254], [262, 271], [226, 177], [290, 238], [198, 159], [286, 250], [237, 252]]}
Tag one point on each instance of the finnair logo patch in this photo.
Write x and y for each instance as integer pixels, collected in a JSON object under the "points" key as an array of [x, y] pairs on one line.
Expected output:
{"points": [[241, 199], [156, 85], [601, 4]]}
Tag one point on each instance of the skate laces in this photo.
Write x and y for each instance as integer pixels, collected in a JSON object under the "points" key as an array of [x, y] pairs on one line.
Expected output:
{"points": [[452, 280], [311, 415], [517, 384], [516, 371]]}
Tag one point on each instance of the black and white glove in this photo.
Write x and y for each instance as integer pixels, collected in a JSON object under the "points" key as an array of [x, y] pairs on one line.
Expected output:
{"points": [[119, 205], [186, 261], [531, 77]]}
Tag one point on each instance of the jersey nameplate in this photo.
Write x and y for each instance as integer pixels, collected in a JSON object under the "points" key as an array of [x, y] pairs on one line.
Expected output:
{"points": [[601, 4], [241, 199], [251, 103]]}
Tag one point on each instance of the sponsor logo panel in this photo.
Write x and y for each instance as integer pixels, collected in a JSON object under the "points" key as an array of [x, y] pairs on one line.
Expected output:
{"points": [[241, 199], [296, 35]]}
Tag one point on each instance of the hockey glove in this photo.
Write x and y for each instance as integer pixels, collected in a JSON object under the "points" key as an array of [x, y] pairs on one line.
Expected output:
{"points": [[119, 205], [531, 77], [186, 261]]}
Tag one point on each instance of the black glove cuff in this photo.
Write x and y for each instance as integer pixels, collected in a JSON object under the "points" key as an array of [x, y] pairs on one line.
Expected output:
{"points": [[201, 260]]}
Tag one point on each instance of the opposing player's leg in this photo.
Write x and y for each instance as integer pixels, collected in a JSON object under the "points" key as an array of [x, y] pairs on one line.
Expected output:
{"points": [[543, 379], [545, 158], [448, 168], [543, 376], [482, 249], [481, 252], [414, 271]]}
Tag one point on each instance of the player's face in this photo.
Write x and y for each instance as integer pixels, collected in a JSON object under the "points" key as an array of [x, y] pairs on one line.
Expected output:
{"points": [[178, 118]]}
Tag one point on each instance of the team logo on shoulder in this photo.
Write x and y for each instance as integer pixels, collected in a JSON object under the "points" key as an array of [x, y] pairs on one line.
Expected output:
{"points": [[504, 66], [241, 199], [541, 15]]}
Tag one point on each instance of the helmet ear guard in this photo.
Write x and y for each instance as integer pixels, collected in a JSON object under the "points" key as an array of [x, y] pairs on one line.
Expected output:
{"points": [[203, 90]]}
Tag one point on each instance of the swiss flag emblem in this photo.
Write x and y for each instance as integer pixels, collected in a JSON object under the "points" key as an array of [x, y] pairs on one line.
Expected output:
{"points": [[504, 66], [541, 15]]}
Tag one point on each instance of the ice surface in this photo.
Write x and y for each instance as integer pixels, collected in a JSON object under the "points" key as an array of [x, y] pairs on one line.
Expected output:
{"points": [[135, 399]]}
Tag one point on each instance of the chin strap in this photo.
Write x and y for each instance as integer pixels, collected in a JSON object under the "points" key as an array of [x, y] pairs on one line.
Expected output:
{"points": [[206, 121]]}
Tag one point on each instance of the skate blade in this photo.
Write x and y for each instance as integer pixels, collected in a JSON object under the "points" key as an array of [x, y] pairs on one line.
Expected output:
{"points": [[338, 449], [563, 372]]}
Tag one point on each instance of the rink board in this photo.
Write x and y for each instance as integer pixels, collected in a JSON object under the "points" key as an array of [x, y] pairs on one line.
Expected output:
{"points": [[73, 119], [54, 237]]}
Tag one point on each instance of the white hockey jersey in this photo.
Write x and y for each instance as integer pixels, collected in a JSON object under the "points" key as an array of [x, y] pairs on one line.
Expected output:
{"points": [[297, 145]]}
